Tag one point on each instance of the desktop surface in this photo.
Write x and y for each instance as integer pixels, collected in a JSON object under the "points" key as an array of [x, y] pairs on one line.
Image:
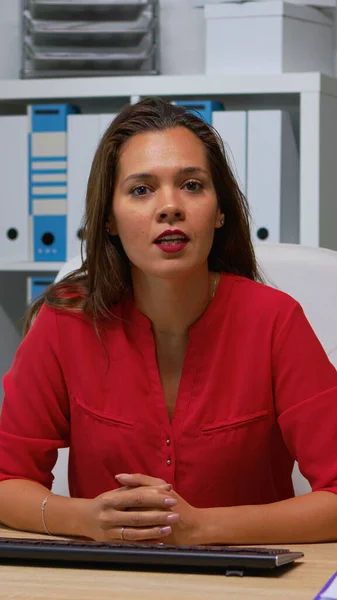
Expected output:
{"points": [[301, 581]]}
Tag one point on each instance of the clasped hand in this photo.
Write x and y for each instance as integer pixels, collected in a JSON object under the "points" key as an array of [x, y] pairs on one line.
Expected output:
{"points": [[145, 508]]}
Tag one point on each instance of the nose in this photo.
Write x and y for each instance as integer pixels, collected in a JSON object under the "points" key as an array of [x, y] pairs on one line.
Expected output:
{"points": [[170, 212]]}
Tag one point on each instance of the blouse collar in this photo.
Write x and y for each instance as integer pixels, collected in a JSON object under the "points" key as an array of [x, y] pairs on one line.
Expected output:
{"points": [[133, 315]]}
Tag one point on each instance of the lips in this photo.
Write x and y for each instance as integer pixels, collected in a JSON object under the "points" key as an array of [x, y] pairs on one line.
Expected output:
{"points": [[171, 235]]}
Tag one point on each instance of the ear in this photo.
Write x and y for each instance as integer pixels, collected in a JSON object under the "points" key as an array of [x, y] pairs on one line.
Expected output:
{"points": [[110, 227], [220, 219]]}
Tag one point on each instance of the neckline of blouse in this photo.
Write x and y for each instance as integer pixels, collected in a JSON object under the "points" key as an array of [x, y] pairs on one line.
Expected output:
{"points": [[133, 315]]}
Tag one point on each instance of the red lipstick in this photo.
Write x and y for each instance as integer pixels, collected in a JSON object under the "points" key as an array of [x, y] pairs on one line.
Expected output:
{"points": [[172, 240]]}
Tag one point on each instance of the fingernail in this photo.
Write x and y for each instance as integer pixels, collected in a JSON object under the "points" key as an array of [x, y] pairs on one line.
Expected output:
{"points": [[122, 475], [173, 518], [170, 501], [165, 530], [166, 486]]}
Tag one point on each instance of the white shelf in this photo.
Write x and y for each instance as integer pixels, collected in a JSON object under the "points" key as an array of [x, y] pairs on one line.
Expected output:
{"points": [[165, 85], [31, 266]]}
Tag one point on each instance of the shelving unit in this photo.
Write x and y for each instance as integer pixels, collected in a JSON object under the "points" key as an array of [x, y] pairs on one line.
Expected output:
{"points": [[165, 85], [35, 267], [311, 99]]}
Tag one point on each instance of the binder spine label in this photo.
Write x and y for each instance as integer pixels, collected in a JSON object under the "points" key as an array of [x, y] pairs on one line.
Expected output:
{"points": [[48, 179]]}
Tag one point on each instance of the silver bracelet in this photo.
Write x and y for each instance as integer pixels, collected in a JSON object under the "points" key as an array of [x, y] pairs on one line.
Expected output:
{"points": [[43, 506]]}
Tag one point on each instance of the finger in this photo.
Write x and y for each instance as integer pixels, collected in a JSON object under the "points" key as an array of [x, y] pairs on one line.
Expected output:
{"points": [[165, 487], [135, 479], [142, 519], [140, 497], [131, 534]]}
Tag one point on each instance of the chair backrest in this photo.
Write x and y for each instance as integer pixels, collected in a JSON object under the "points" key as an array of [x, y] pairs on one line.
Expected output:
{"points": [[310, 276], [68, 267]]}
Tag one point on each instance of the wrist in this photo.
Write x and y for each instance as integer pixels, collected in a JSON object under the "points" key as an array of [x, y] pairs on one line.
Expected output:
{"points": [[202, 532], [66, 516], [208, 530], [79, 517]]}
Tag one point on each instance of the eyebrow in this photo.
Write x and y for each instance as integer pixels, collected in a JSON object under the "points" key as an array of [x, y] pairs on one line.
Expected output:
{"points": [[184, 171]]}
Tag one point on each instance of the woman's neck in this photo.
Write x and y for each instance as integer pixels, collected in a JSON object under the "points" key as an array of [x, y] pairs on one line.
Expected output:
{"points": [[173, 305]]}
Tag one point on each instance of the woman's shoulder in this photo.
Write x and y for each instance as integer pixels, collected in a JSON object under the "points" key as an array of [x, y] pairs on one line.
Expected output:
{"points": [[49, 314], [68, 319], [50, 322], [259, 296]]}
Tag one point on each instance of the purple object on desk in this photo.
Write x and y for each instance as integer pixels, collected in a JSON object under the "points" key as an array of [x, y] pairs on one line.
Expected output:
{"points": [[320, 595]]}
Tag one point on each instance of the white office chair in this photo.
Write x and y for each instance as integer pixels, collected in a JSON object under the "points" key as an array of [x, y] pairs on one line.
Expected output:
{"points": [[68, 267], [310, 276]]}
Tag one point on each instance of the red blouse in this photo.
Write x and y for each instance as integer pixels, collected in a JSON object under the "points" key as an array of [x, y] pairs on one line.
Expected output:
{"points": [[257, 391]]}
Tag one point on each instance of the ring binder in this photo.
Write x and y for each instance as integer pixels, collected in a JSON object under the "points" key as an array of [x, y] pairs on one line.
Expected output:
{"points": [[48, 180]]}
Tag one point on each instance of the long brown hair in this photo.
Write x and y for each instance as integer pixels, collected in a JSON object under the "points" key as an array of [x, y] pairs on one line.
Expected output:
{"points": [[105, 274]]}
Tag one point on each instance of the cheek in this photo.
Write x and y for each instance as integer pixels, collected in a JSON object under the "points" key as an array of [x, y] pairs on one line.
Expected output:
{"points": [[132, 226], [204, 219]]}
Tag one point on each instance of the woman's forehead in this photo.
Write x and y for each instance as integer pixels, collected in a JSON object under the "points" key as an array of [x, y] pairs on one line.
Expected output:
{"points": [[169, 147]]}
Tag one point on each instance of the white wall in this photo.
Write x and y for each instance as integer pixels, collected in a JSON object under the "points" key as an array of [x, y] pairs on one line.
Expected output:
{"points": [[9, 341], [10, 47], [182, 37], [332, 13]]}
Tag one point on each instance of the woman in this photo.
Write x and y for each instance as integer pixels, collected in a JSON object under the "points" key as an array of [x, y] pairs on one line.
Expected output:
{"points": [[184, 387]]}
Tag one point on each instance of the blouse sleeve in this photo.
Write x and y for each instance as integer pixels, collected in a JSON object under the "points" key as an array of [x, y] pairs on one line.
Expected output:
{"points": [[305, 392], [34, 421]]}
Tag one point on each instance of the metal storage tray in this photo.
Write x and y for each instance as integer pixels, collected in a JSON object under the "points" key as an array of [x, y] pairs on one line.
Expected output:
{"points": [[116, 60], [30, 72], [86, 33], [79, 38], [87, 9], [32, 50]]}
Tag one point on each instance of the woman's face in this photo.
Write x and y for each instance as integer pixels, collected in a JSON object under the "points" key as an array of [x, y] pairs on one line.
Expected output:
{"points": [[164, 184]]}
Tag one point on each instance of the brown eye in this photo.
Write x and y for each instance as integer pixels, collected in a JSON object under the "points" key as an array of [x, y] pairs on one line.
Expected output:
{"points": [[193, 186]]}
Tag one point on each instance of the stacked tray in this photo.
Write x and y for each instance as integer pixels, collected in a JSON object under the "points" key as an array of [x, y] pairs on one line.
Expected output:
{"points": [[64, 38]]}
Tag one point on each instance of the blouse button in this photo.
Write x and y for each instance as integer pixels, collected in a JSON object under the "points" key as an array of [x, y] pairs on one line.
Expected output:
{"points": [[168, 442], [168, 461]]}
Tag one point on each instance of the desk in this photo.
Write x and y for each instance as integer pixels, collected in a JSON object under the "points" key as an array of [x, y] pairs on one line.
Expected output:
{"points": [[302, 582]]}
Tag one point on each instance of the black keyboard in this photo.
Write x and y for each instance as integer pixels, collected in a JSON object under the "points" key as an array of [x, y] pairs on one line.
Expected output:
{"points": [[144, 555]]}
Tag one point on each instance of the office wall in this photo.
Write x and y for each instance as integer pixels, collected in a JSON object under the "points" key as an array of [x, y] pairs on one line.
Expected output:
{"points": [[12, 296], [182, 37], [10, 52], [9, 341]]}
